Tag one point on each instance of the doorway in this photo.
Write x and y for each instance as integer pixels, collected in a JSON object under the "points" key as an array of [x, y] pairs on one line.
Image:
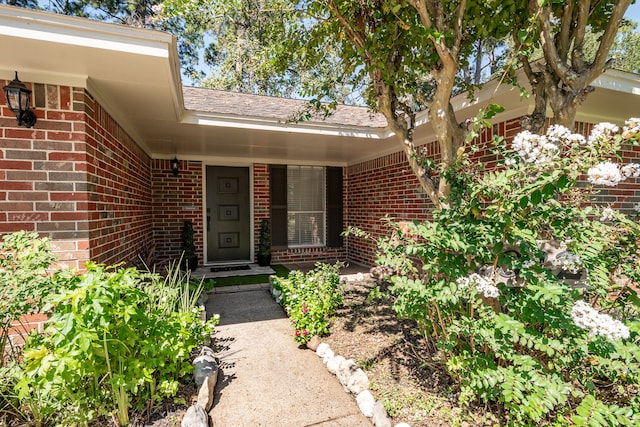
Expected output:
{"points": [[228, 214]]}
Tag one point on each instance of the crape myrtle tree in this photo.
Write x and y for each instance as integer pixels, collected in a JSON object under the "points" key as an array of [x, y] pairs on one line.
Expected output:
{"points": [[562, 79], [410, 54]]}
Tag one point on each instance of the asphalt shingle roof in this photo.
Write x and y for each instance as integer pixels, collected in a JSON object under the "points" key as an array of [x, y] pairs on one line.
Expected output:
{"points": [[267, 107]]}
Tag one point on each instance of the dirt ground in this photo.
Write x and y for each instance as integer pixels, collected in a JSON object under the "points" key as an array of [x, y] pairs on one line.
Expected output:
{"points": [[404, 370]]}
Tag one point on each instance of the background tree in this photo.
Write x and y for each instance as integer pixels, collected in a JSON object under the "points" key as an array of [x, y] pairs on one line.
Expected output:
{"points": [[31, 4], [134, 13], [237, 42]]}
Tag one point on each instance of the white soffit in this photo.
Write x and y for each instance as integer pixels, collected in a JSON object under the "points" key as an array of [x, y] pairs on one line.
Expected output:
{"points": [[133, 73]]}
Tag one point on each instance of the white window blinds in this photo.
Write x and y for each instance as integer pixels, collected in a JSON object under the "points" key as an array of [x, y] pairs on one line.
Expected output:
{"points": [[306, 205]]}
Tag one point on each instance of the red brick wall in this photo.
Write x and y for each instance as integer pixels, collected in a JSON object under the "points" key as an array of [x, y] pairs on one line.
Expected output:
{"points": [[176, 199], [386, 187], [118, 188], [261, 202], [76, 177]]}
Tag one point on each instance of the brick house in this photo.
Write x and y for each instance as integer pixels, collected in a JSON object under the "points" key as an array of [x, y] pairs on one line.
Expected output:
{"points": [[94, 173]]}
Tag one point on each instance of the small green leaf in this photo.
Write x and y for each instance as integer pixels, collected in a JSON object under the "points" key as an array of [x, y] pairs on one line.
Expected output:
{"points": [[536, 197]]}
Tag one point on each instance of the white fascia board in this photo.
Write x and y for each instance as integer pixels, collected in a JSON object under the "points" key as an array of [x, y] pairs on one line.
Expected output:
{"points": [[177, 94], [45, 26], [620, 81], [483, 96], [247, 161], [258, 123]]}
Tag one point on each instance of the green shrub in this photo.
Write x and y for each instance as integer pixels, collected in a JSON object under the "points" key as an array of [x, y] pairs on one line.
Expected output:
{"points": [[24, 260], [107, 348], [553, 339], [310, 299]]}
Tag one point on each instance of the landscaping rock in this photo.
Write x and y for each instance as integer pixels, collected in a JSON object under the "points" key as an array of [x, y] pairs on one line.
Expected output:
{"points": [[205, 394], [327, 356], [204, 365], [347, 368], [322, 349], [196, 416], [380, 417], [366, 402], [402, 425], [358, 381], [333, 365], [313, 343], [206, 351]]}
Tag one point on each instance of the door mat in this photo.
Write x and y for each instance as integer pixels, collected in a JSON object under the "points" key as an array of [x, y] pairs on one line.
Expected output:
{"points": [[230, 268]]}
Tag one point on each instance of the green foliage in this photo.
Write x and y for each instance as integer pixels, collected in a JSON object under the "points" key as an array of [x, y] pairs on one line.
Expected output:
{"points": [[24, 260], [483, 282], [107, 348], [310, 299], [175, 290], [264, 245], [189, 258]]}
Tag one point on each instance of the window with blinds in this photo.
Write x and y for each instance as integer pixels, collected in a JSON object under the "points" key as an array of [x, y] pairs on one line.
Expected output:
{"points": [[306, 203]]}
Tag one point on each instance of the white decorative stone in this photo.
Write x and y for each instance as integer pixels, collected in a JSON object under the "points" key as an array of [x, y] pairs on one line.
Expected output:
{"points": [[322, 348], [195, 417], [203, 366], [327, 356], [347, 368], [333, 365], [402, 425], [205, 394], [380, 417], [366, 402], [358, 381], [206, 351]]}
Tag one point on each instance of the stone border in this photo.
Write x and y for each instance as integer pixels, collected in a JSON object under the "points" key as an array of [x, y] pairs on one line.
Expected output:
{"points": [[205, 374], [351, 376], [355, 381]]}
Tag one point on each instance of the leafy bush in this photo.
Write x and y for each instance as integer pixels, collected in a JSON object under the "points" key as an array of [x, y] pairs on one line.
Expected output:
{"points": [[310, 299], [551, 334], [24, 260], [109, 345]]}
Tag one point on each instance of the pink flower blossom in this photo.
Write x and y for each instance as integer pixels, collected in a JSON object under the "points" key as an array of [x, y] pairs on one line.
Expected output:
{"points": [[305, 332], [298, 333]]}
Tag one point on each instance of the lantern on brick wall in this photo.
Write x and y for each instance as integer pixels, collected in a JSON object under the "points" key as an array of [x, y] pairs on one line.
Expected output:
{"points": [[175, 166], [18, 98]]}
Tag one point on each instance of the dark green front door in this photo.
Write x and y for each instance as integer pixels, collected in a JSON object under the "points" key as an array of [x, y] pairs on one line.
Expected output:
{"points": [[228, 214]]}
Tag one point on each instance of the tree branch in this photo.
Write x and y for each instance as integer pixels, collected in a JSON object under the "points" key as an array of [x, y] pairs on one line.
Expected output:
{"points": [[551, 54], [607, 39], [580, 30], [564, 36]]}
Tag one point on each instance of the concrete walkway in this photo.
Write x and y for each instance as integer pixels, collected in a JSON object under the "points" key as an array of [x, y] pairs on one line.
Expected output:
{"points": [[266, 379]]}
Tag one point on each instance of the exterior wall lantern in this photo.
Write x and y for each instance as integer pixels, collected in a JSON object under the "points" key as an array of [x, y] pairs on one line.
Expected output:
{"points": [[175, 166], [18, 99]]}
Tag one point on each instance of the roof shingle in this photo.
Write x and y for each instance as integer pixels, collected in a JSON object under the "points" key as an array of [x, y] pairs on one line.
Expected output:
{"points": [[280, 109]]}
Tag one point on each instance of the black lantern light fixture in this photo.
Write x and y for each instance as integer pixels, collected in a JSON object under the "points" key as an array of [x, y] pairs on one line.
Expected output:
{"points": [[18, 98], [175, 166]]}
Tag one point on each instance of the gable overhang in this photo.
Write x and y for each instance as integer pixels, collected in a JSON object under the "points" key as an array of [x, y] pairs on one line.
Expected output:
{"points": [[135, 75]]}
